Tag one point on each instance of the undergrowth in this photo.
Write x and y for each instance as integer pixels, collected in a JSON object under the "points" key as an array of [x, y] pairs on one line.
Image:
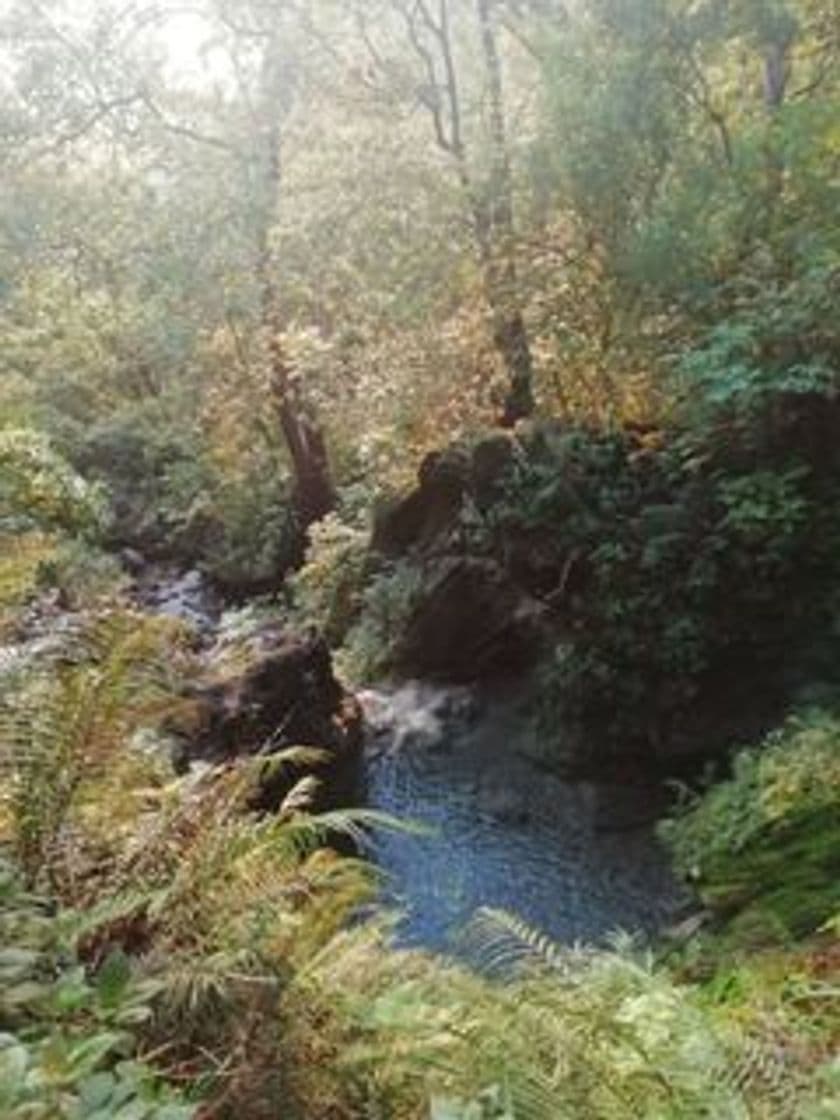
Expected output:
{"points": [[763, 846], [171, 953]]}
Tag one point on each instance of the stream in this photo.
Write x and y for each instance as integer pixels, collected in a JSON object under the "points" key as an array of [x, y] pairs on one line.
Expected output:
{"points": [[576, 860]]}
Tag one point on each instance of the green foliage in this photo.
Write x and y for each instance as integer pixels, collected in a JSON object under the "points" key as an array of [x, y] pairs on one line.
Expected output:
{"points": [[21, 558], [39, 489], [171, 497], [386, 605], [83, 575], [666, 569], [328, 588], [69, 1039], [573, 1033], [201, 925], [762, 845], [674, 246], [778, 347], [65, 729], [254, 537]]}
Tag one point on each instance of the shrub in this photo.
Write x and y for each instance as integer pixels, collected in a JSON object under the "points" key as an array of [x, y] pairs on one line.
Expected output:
{"points": [[83, 575], [39, 489], [64, 734], [588, 1035], [669, 567], [21, 558], [387, 603], [763, 845], [329, 588], [69, 1039]]}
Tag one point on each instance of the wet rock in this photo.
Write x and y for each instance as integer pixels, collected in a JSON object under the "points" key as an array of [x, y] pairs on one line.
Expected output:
{"points": [[276, 691], [187, 596], [132, 560], [411, 719], [418, 717]]}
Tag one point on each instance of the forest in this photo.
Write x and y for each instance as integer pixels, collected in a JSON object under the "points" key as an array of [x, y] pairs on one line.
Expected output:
{"points": [[420, 559]]}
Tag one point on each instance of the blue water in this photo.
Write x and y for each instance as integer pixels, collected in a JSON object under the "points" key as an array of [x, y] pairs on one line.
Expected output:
{"points": [[576, 860]]}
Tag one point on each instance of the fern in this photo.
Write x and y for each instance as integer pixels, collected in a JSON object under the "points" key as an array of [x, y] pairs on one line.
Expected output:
{"points": [[68, 725], [499, 941]]}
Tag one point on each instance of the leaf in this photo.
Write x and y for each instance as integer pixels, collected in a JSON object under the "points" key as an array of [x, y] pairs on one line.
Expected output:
{"points": [[113, 979], [86, 1054], [134, 1110], [176, 1112], [96, 1091], [15, 962], [444, 1108], [14, 1061], [27, 992]]}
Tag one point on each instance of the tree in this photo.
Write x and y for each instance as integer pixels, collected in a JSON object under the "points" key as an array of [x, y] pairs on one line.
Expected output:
{"points": [[191, 153], [487, 193], [314, 490]]}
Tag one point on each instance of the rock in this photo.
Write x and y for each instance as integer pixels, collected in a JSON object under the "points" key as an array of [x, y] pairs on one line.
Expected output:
{"points": [[410, 719], [492, 458], [472, 620], [427, 517], [184, 595], [470, 624], [132, 560], [280, 692], [429, 511]]}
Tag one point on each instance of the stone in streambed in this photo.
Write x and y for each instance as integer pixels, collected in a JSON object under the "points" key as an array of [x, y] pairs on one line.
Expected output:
{"points": [[277, 690]]}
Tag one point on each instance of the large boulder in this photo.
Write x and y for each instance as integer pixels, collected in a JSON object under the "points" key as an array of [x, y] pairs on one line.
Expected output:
{"points": [[274, 691], [426, 519], [471, 620], [470, 624]]}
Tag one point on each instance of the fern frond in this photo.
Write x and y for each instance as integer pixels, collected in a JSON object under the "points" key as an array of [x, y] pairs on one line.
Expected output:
{"points": [[499, 941]]}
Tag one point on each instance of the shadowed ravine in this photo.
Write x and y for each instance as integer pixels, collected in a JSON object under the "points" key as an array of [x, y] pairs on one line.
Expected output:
{"points": [[576, 860]]}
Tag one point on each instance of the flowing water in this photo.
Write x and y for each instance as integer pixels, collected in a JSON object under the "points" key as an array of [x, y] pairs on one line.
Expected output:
{"points": [[576, 860], [579, 861]]}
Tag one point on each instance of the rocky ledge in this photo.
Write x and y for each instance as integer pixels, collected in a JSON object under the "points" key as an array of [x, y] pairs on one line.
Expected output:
{"points": [[267, 691], [473, 622]]}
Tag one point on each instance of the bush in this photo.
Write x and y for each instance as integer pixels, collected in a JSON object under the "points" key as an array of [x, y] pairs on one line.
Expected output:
{"points": [[83, 575], [39, 489], [763, 845], [387, 603], [328, 589], [588, 1035], [672, 567], [22, 556], [68, 1039]]}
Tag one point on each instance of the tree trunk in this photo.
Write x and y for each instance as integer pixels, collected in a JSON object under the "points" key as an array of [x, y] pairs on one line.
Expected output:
{"points": [[495, 233], [314, 493]]}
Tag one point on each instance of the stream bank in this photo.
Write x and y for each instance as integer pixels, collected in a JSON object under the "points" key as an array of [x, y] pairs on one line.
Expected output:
{"points": [[577, 859]]}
